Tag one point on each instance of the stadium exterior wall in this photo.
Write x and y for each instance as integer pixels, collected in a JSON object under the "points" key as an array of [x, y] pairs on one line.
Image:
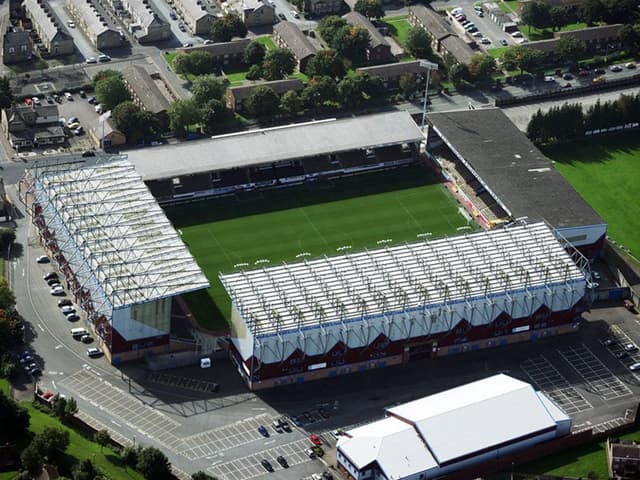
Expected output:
{"points": [[296, 365]]}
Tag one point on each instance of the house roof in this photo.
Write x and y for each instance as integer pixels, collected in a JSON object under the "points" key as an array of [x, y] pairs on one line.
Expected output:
{"points": [[16, 39], [97, 23], [546, 46], [145, 88], [392, 70], [46, 18], [198, 9], [288, 142], [434, 23], [145, 14], [592, 33], [458, 48], [222, 48], [512, 168], [278, 86], [19, 111], [296, 41], [359, 20], [48, 132]]}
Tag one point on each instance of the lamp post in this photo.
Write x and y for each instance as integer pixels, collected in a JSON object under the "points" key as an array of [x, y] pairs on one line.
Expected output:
{"points": [[428, 66]]}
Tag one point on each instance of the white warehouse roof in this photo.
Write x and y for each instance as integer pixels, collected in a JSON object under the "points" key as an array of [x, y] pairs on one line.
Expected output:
{"points": [[112, 220], [401, 278], [456, 423]]}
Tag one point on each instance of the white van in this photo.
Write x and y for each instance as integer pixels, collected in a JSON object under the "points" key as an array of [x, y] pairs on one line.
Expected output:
{"points": [[78, 332]]}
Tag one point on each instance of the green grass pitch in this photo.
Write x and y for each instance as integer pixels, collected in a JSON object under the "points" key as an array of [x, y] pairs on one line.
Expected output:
{"points": [[606, 171], [317, 218]]}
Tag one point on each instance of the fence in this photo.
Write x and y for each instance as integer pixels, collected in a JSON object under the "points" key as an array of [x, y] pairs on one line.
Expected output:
{"points": [[567, 92]]}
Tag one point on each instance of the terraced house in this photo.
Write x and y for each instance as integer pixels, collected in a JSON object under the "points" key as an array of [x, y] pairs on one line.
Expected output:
{"points": [[53, 36], [93, 21], [146, 25], [198, 15]]}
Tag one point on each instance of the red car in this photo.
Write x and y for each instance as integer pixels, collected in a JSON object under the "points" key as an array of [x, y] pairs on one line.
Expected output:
{"points": [[28, 101], [315, 439]]}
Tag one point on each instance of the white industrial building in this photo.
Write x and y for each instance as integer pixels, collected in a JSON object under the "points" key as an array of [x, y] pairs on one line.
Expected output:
{"points": [[352, 312], [119, 257], [452, 431]]}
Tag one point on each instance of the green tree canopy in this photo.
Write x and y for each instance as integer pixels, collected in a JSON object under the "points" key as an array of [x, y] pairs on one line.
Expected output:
{"points": [[278, 63], [570, 49], [458, 73], [263, 102], [7, 237], [31, 459], [408, 85], [194, 63], [85, 470], [320, 92], [369, 8], [482, 67], [13, 414], [254, 53], [153, 464], [326, 63], [111, 92], [523, 58], [630, 37], [202, 476], [206, 88], [52, 443], [229, 26], [7, 298], [216, 117], [419, 43], [102, 438], [352, 42], [107, 73], [138, 125], [183, 114], [290, 103], [6, 95], [536, 14], [329, 27]]}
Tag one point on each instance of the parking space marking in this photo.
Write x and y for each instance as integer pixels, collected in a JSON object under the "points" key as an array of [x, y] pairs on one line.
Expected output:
{"points": [[602, 426], [599, 378], [555, 385], [182, 382], [250, 467]]}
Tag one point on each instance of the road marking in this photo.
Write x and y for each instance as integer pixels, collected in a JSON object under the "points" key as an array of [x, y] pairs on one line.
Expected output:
{"points": [[258, 408], [58, 347], [52, 373], [40, 327], [269, 442], [53, 382], [116, 423], [23, 272]]}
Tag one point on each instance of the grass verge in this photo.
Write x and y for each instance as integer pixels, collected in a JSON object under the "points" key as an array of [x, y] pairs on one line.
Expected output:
{"points": [[317, 218], [398, 27], [533, 33], [267, 41], [605, 171]]}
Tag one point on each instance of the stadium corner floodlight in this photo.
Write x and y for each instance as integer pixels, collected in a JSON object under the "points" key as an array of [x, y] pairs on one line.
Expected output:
{"points": [[428, 66]]}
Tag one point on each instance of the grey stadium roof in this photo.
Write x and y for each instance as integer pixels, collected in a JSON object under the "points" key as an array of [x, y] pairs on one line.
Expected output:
{"points": [[269, 145], [524, 181]]}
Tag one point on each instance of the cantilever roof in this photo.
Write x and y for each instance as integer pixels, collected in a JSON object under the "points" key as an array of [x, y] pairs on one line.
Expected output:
{"points": [[400, 278], [111, 219], [269, 145]]}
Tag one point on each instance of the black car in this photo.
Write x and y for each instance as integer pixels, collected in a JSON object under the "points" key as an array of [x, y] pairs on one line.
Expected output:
{"points": [[64, 302], [599, 71], [53, 281], [88, 153], [49, 276], [282, 461], [327, 476], [267, 465], [285, 425], [282, 16]]}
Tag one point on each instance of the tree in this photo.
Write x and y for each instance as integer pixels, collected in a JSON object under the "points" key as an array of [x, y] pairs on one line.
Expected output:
{"points": [[369, 8], [104, 74], [630, 37], [591, 12], [320, 93], [102, 438], [482, 67], [85, 470], [194, 63], [290, 103], [138, 125], [51, 443], [71, 407], [6, 96], [263, 102], [183, 114], [58, 406], [31, 460], [329, 27], [352, 42], [7, 298], [202, 476], [278, 63], [7, 237], [326, 63], [536, 14], [124, 117], [419, 43], [570, 49], [206, 88], [111, 91], [10, 327], [559, 17], [458, 73], [255, 72], [129, 456], [523, 58], [216, 117], [254, 53], [229, 26], [13, 414], [408, 85], [153, 464]]}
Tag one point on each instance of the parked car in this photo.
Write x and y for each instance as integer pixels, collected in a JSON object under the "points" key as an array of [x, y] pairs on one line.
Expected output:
{"points": [[295, 14], [36, 100], [86, 338], [315, 439], [276, 426], [104, 58], [517, 34], [503, 42], [282, 461], [567, 76], [263, 431], [296, 420], [310, 453], [91, 60], [68, 95], [88, 153], [79, 131], [478, 34], [42, 259], [26, 358], [634, 366], [485, 41], [583, 73], [68, 309], [49, 99], [187, 45], [285, 425], [598, 80], [615, 68], [267, 465], [64, 302], [73, 317], [98, 109], [608, 342], [208, 42], [49, 275], [566, 85], [52, 282], [182, 27], [630, 65], [630, 347], [94, 352], [91, 100], [599, 71], [549, 79], [323, 413], [82, 94], [71, 24], [327, 475], [173, 15]]}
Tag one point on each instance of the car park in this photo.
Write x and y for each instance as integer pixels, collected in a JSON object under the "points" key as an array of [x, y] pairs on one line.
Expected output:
{"points": [[68, 309], [94, 352], [282, 461], [267, 465], [42, 259], [622, 354], [64, 302], [263, 431], [73, 317], [91, 60], [296, 420]]}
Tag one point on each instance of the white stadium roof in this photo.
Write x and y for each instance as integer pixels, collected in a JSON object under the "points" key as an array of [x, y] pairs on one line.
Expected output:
{"points": [[456, 423], [400, 278], [288, 142], [117, 226]]}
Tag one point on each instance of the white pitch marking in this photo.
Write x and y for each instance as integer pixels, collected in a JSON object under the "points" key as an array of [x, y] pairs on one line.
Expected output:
{"points": [[269, 442], [40, 327], [116, 423], [53, 382], [58, 347]]}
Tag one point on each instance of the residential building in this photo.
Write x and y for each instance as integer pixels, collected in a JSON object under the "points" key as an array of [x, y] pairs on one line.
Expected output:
{"points": [[223, 53], [103, 129], [27, 126], [596, 39], [17, 47], [94, 22], [288, 35], [379, 50], [623, 459], [453, 432], [443, 40], [236, 96], [255, 13], [146, 25], [390, 73], [54, 38], [323, 7], [144, 91], [198, 15]]}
